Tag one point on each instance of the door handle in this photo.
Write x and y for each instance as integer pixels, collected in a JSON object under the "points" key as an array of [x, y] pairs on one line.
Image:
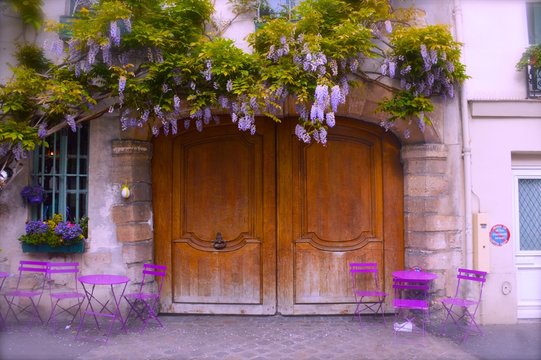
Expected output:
{"points": [[219, 242]]}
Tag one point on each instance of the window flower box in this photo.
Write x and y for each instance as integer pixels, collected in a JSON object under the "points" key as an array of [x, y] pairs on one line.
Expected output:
{"points": [[55, 236], [45, 248]]}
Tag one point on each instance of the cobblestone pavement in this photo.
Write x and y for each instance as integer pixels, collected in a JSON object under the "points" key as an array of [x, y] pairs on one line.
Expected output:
{"points": [[266, 337]]}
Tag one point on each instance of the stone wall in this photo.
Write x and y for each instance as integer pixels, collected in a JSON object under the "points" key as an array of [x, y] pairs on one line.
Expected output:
{"points": [[131, 165], [433, 224]]}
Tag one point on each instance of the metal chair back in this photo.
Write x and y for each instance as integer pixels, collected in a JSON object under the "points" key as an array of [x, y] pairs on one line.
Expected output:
{"points": [[144, 304], [66, 298], [411, 304], [462, 307], [30, 285], [365, 286]]}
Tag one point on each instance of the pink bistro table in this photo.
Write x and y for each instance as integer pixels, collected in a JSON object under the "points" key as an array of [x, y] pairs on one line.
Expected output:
{"points": [[415, 275], [3, 277], [106, 307]]}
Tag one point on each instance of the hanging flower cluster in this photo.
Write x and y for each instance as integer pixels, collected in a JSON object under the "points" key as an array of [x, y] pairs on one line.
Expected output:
{"points": [[426, 61]]}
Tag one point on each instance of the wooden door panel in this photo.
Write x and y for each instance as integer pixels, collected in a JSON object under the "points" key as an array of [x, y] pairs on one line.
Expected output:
{"points": [[211, 277], [339, 190], [335, 215], [223, 184], [322, 277]]}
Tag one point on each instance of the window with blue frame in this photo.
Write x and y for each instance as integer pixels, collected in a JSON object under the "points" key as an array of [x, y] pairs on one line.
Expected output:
{"points": [[62, 170]]}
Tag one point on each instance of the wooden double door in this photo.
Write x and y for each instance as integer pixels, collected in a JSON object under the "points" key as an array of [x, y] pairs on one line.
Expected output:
{"points": [[264, 224]]}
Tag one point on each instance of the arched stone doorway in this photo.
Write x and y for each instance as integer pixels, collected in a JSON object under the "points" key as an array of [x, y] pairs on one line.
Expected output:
{"points": [[431, 219]]}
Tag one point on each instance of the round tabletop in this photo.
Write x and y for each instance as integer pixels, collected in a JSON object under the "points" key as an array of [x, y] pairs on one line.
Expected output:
{"points": [[414, 275], [103, 279]]}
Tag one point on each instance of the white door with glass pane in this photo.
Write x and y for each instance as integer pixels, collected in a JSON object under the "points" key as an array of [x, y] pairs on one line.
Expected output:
{"points": [[527, 195]]}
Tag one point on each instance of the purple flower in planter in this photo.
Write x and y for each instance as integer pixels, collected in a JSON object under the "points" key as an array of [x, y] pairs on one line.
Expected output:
{"points": [[68, 231], [34, 194], [36, 227]]}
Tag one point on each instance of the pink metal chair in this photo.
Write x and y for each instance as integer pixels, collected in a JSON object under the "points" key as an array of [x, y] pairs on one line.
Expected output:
{"points": [[410, 301], [462, 309], [66, 299], [3, 277], [145, 303], [368, 296], [30, 287]]}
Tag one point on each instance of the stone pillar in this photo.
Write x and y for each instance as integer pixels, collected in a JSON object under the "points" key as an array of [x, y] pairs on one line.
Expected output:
{"points": [[433, 226], [133, 216]]}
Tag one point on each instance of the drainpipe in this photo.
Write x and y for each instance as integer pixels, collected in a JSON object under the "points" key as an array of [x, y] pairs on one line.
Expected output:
{"points": [[466, 150]]}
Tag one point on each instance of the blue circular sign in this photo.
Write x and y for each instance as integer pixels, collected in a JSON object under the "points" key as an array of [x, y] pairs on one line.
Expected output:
{"points": [[499, 235]]}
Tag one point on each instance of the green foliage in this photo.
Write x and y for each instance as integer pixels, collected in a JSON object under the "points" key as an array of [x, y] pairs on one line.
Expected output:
{"points": [[160, 61], [31, 56], [49, 238], [404, 105], [29, 11], [407, 42], [12, 132], [530, 56]]}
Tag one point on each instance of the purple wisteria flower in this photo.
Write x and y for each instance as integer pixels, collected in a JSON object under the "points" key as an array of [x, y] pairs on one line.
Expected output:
{"points": [[42, 130], [106, 53], [388, 26], [323, 135], [93, 49], [70, 119], [18, 152], [114, 33], [330, 119], [127, 24], [301, 133], [336, 97], [176, 103]]}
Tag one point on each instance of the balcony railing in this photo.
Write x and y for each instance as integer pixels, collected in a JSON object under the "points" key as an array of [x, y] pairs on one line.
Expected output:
{"points": [[533, 82]]}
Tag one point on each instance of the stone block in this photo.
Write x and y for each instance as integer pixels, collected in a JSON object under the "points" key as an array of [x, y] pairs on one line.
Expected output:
{"points": [[425, 166], [454, 239], [430, 222], [427, 240], [131, 170], [137, 252], [422, 205], [131, 212], [424, 152], [97, 259], [133, 232], [435, 261], [425, 185]]}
